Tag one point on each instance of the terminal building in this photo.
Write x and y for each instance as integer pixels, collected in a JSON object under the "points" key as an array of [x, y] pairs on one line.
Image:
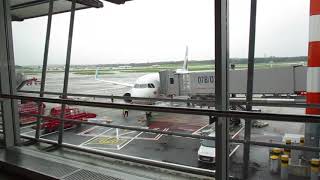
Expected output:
{"points": [[63, 135]]}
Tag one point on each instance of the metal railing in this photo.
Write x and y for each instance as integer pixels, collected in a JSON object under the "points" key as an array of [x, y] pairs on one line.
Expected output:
{"points": [[272, 102], [178, 110]]}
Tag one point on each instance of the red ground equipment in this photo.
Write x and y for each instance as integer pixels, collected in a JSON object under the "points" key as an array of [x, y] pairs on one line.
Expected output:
{"points": [[52, 124], [32, 109]]}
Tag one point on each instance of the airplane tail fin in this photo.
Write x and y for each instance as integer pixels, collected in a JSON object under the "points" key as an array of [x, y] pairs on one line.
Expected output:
{"points": [[184, 68], [97, 73], [185, 63]]}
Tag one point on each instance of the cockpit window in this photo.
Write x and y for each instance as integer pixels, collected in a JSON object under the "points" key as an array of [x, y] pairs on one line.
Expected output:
{"points": [[151, 85]]}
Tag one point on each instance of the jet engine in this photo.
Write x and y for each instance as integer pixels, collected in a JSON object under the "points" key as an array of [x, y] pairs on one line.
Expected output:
{"points": [[127, 98]]}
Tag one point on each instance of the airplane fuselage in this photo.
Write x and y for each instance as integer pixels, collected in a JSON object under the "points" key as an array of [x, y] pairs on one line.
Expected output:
{"points": [[147, 86]]}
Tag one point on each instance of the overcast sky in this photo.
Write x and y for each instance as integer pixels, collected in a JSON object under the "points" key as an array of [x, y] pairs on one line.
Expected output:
{"points": [[159, 30]]}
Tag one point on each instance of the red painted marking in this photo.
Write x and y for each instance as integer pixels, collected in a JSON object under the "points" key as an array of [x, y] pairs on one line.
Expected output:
{"points": [[314, 7], [314, 54], [313, 98], [159, 125]]}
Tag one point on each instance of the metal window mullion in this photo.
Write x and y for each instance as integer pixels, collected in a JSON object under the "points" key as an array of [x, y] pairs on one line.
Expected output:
{"points": [[5, 86], [12, 75], [221, 88], [67, 68], [250, 78], [44, 65]]}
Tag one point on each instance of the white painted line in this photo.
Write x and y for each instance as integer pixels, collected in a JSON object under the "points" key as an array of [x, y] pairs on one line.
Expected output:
{"points": [[95, 137], [90, 129], [154, 133], [101, 148], [237, 133], [121, 135], [127, 133], [87, 135], [166, 129], [24, 127], [25, 133], [235, 149], [129, 141], [117, 134], [55, 132], [147, 139], [160, 135], [157, 136], [197, 131], [28, 132]]}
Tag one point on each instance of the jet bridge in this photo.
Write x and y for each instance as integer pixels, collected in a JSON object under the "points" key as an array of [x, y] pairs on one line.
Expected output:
{"points": [[275, 81]]}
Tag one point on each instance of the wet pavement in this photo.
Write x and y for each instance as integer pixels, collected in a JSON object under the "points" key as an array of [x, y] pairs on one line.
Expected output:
{"points": [[156, 146], [146, 145]]}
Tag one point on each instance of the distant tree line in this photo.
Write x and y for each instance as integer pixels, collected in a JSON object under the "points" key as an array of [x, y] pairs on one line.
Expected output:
{"points": [[192, 62], [206, 62], [271, 59]]}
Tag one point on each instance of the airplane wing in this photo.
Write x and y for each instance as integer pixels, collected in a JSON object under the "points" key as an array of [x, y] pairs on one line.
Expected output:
{"points": [[111, 82], [117, 83]]}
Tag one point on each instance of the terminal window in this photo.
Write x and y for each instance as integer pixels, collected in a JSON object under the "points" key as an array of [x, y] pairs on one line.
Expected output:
{"points": [[171, 81]]}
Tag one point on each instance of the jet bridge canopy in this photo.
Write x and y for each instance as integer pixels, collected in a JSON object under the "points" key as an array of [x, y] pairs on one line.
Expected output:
{"points": [[26, 9], [281, 80]]}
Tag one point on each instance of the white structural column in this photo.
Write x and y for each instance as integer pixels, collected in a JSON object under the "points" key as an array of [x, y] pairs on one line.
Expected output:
{"points": [[313, 77]]}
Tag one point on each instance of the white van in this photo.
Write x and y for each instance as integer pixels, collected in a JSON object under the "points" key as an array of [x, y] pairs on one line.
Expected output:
{"points": [[207, 150]]}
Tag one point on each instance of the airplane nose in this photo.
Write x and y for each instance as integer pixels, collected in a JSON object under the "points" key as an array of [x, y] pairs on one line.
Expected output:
{"points": [[137, 94], [142, 93]]}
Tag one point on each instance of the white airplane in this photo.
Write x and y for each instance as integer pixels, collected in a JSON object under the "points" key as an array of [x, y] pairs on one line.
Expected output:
{"points": [[146, 86]]}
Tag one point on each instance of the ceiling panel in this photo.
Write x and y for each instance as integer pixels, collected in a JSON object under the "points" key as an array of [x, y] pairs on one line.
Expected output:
{"points": [[25, 9]]}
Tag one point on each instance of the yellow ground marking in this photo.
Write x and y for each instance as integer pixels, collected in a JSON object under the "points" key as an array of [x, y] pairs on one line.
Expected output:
{"points": [[107, 141]]}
